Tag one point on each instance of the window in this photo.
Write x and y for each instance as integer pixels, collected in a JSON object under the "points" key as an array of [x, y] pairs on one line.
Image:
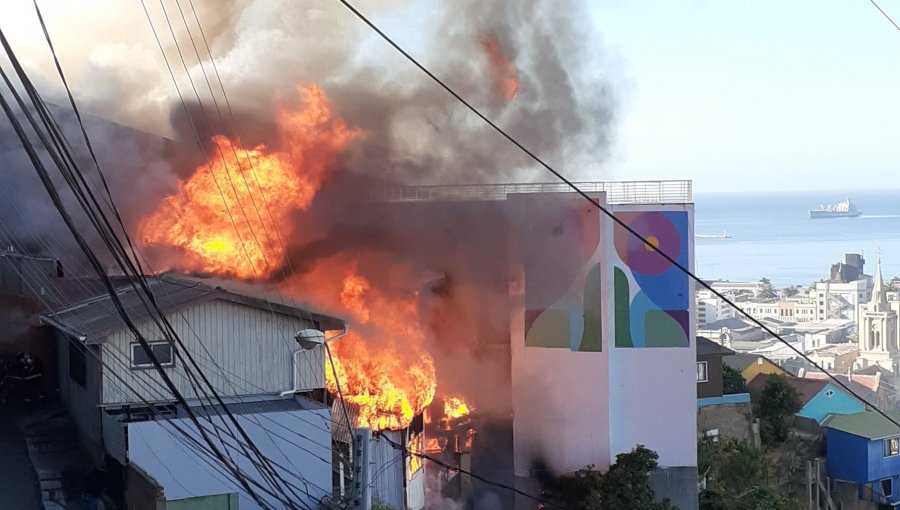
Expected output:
{"points": [[891, 446], [829, 393], [702, 376], [77, 365], [162, 351], [887, 488]]}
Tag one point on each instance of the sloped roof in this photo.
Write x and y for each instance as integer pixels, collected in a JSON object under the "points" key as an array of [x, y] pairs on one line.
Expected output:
{"points": [[92, 318], [741, 360], [867, 381], [867, 424], [806, 389], [706, 347], [729, 323]]}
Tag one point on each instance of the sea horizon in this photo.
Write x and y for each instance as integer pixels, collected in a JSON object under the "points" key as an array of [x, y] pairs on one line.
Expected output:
{"points": [[772, 236]]}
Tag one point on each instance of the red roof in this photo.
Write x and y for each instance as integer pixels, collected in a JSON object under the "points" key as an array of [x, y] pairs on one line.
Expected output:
{"points": [[806, 388]]}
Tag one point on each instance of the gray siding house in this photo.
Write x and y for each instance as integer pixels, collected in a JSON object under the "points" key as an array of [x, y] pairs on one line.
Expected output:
{"points": [[244, 345]]}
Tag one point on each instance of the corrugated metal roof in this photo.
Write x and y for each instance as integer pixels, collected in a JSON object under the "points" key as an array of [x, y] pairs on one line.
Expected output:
{"points": [[96, 315], [868, 424]]}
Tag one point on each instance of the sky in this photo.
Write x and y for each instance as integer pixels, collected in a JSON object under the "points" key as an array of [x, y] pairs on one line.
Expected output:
{"points": [[762, 95], [765, 95]]}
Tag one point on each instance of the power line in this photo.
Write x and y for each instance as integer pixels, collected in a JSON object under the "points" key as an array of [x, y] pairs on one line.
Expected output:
{"points": [[620, 223], [62, 163], [407, 451], [190, 375], [886, 15]]}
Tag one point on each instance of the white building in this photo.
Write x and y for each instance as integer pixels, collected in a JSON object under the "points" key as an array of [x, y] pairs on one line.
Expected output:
{"points": [[711, 308], [841, 300], [246, 348]]}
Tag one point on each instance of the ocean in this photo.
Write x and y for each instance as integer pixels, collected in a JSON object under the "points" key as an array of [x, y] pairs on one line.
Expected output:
{"points": [[773, 237]]}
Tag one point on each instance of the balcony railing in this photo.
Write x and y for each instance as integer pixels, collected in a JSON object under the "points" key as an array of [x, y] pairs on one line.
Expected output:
{"points": [[617, 192]]}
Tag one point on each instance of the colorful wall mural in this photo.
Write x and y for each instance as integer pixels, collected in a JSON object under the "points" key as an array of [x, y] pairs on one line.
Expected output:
{"points": [[560, 244], [651, 295]]}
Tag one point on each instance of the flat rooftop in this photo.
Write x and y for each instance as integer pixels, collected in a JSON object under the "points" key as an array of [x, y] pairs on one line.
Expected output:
{"points": [[617, 192]]}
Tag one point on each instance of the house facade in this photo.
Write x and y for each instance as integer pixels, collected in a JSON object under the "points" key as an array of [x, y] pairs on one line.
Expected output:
{"points": [[818, 398], [863, 451], [244, 346], [751, 365]]}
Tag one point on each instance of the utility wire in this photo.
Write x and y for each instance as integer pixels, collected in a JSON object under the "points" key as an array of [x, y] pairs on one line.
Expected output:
{"points": [[886, 15], [48, 184], [619, 222], [407, 451]]}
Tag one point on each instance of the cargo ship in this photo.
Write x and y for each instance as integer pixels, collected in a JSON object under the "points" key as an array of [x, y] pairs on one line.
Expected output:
{"points": [[842, 209]]}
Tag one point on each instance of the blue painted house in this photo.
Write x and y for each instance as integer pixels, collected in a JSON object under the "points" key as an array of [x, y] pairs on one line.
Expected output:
{"points": [[818, 398], [864, 449]]}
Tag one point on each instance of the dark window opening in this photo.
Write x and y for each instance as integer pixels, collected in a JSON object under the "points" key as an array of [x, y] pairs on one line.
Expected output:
{"points": [[77, 362], [162, 350]]}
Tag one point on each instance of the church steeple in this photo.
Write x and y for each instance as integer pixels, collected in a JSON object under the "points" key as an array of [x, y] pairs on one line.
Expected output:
{"points": [[879, 296]]}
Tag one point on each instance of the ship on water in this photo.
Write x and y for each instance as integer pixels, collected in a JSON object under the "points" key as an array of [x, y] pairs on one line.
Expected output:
{"points": [[842, 209], [723, 235]]}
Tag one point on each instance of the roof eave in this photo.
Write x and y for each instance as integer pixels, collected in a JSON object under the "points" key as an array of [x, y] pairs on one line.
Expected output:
{"points": [[46, 320]]}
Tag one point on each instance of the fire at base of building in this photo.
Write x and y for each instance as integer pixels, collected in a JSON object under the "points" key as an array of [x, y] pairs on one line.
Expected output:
{"points": [[596, 353]]}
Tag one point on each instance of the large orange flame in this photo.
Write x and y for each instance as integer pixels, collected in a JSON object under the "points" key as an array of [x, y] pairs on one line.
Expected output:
{"points": [[505, 75], [225, 215], [229, 217], [393, 381], [455, 407]]}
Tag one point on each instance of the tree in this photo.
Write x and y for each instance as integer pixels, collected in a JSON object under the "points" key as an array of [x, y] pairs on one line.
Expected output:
{"points": [[736, 473], [777, 404], [790, 291], [766, 290], [625, 485], [732, 381], [894, 284]]}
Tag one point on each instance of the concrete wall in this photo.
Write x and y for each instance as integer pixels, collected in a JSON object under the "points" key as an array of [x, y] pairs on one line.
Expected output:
{"points": [[560, 393], [679, 484], [243, 350], [733, 421], [653, 389]]}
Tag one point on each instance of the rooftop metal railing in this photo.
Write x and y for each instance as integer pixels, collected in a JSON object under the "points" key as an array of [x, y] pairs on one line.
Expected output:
{"points": [[617, 192]]}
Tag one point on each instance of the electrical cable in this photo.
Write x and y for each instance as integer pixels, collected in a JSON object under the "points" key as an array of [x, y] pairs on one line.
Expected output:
{"points": [[886, 15], [49, 186], [604, 210], [444, 465]]}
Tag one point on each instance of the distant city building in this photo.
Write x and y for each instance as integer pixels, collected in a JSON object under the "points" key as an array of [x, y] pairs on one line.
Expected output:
{"points": [[847, 287], [737, 289], [711, 308], [797, 309]]}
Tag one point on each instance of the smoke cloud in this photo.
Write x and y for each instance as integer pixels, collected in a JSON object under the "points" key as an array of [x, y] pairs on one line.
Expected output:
{"points": [[452, 256]]}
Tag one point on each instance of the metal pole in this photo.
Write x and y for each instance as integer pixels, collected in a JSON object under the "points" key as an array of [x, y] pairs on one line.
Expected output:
{"points": [[818, 490], [809, 484]]}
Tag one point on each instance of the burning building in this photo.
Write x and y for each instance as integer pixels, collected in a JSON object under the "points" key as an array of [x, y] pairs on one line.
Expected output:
{"points": [[566, 340], [589, 327]]}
